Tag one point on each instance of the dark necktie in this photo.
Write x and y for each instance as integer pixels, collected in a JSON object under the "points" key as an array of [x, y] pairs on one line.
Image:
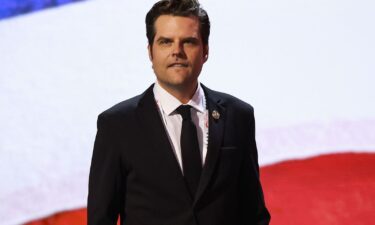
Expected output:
{"points": [[191, 157]]}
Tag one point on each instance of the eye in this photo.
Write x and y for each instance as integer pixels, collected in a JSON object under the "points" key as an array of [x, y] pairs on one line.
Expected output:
{"points": [[191, 41], [164, 41]]}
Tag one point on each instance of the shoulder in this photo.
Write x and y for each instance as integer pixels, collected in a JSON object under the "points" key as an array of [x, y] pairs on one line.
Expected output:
{"points": [[117, 114], [228, 101], [129, 106], [125, 111], [121, 109]]}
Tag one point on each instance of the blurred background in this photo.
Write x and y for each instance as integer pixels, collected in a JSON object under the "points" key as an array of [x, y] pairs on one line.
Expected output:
{"points": [[307, 67]]}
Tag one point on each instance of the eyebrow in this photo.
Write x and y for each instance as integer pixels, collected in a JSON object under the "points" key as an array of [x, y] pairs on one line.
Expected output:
{"points": [[162, 38], [194, 39]]}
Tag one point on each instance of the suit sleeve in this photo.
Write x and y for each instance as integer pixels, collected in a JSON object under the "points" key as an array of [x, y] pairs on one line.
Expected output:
{"points": [[105, 196], [253, 208]]}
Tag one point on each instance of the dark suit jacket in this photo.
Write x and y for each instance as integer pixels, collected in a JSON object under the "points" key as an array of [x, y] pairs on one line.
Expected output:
{"points": [[134, 172]]}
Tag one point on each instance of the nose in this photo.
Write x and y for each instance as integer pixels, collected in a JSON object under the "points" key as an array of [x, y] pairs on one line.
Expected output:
{"points": [[178, 50]]}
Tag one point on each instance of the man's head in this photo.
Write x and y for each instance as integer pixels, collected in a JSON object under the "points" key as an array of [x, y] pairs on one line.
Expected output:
{"points": [[178, 45], [184, 8]]}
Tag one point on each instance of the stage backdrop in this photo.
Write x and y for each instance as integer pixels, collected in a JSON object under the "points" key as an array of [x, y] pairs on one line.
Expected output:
{"points": [[307, 67]]}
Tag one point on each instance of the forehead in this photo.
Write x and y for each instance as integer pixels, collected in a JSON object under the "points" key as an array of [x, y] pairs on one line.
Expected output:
{"points": [[170, 26]]}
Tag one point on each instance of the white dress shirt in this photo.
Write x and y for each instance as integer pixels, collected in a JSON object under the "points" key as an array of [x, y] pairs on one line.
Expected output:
{"points": [[172, 121]]}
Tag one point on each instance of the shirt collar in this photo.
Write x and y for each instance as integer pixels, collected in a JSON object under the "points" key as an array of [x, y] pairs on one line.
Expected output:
{"points": [[169, 103]]}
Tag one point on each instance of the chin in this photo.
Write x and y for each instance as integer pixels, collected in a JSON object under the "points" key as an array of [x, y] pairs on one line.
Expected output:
{"points": [[178, 84], [179, 79]]}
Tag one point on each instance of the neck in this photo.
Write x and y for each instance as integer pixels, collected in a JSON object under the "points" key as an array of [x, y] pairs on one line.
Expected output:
{"points": [[182, 93]]}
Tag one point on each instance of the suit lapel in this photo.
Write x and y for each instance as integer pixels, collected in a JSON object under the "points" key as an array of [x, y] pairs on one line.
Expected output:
{"points": [[215, 137], [152, 125], [155, 132]]}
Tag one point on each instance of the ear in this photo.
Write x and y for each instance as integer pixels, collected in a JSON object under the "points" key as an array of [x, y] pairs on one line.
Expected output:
{"points": [[205, 52], [149, 48]]}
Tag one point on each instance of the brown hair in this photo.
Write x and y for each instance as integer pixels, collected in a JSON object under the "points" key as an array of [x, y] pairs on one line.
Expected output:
{"points": [[177, 8]]}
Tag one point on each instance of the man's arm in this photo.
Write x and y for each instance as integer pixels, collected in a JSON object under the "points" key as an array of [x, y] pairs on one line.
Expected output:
{"points": [[105, 198], [253, 208]]}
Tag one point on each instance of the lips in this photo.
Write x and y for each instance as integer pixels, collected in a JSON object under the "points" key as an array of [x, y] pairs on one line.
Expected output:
{"points": [[178, 65]]}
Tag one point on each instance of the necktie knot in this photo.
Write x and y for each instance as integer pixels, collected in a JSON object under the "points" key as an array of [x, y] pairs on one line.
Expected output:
{"points": [[184, 111]]}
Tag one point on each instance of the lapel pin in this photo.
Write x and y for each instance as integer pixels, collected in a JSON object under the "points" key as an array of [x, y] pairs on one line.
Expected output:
{"points": [[215, 115]]}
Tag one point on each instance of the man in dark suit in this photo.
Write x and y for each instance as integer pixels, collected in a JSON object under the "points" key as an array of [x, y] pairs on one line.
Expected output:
{"points": [[180, 153]]}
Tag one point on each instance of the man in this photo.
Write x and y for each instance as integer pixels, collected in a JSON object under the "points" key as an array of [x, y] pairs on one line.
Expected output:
{"points": [[180, 153]]}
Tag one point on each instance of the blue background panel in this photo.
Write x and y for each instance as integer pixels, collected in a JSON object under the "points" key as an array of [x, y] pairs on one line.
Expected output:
{"points": [[9, 8]]}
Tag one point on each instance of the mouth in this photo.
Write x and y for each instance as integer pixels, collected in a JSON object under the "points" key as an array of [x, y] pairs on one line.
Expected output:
{"points": [[178, 65]]}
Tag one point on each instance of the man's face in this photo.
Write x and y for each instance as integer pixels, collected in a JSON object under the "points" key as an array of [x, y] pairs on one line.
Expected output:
{"points": [[177, 53]]}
